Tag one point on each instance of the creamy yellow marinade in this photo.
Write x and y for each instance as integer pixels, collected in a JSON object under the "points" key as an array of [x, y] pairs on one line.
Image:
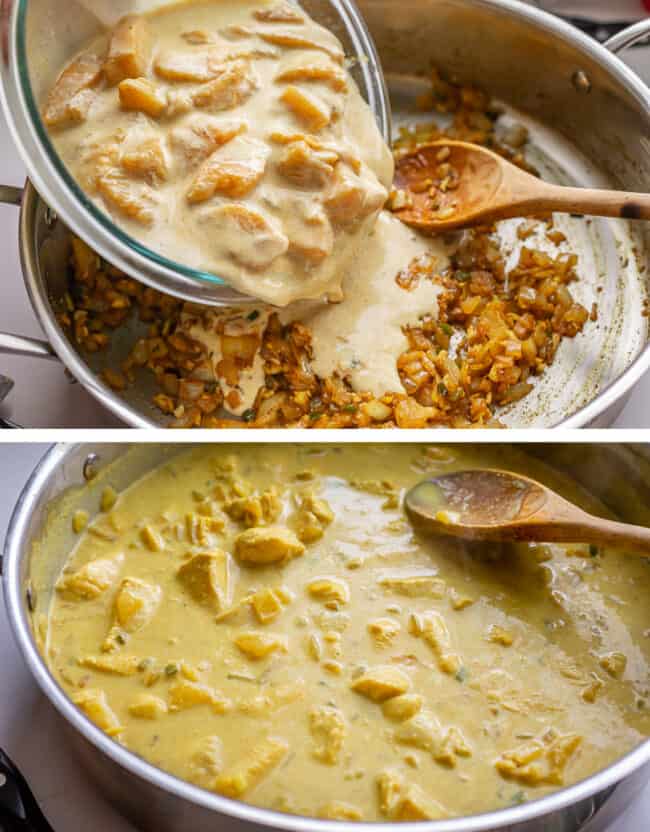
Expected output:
{"points": [[262, 621], [227, 135]]}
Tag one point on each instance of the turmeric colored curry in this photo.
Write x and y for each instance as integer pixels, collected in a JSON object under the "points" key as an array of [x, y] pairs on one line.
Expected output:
{"points": [[262, 621]]}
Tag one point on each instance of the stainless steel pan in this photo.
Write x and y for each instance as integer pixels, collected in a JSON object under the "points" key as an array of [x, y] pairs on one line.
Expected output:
{"points": [[589, 116], [73, 477]]}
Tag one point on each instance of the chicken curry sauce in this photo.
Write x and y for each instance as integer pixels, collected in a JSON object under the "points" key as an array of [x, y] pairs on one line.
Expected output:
{"points": [[264, 622], [229, 136]]}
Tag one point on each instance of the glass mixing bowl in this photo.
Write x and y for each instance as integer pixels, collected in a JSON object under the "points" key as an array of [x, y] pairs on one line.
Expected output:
{"points": [[39, 36]]}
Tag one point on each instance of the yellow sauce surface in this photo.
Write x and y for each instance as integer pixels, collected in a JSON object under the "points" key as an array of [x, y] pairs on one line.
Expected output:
{"points": [[263, 621]]}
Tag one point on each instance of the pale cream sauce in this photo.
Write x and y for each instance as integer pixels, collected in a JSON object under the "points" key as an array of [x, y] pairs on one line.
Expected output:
{"points": [[298, 229]]}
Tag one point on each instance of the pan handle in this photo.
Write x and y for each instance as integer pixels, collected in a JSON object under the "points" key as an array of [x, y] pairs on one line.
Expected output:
{"points": [[10, 195], [20, 345], [19, 811], [628, 37]]}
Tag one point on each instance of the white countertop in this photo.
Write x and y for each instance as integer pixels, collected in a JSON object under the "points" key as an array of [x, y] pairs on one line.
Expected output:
{"points": [[44, 397], [32, 736]]}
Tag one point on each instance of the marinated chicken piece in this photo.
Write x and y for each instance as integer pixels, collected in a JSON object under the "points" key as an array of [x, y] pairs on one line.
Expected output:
{"points": [[317, 68], [417, 805], [432, 628], [540, 762], [414, 586], [308, 230], [311, 518], [270, 544], [268, 603], [257, 645], [210, 579], [147, 706], [133, 199], [401, 708], [231, 171], [118, 664], [94, 704], [279, 13], [247, 235], [328, 728], [185, 694], [423, 731], [307, 168], [147, 161], [135, 604], [252, 768], [72, 94], [306, 107], [184, 67], [91, 579], [383, 631], [403, 801], [273, 698], [292, 40], [256, 510], [129, 50], [207, 761], [351, 200], [338, 810], [381, 683], [143, 96], [233, 85], [332, 591], [200, 135]]}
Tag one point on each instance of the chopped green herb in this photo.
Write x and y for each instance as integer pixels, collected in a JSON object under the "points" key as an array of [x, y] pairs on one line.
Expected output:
{"points": [[248, 415], [252, 316], [446, 329], [518, 798], [593, 550], [442, 389], [350, 408], [462, 276], [462, 675], [316, 415], [171, 669]]}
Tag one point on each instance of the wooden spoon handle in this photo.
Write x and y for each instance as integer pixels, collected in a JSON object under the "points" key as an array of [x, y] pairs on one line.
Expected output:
{"points": [[599, 203], [585, 528]]}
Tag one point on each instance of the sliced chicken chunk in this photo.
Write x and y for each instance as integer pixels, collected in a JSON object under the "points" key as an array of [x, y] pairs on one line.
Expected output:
{"points": [[307, 168], [135, 604], [316, 68], [279, 13], [231, 86], [310, 236], [306, 107], [248, 236], [147, 161], [182, 67], [231, 171], [291, 40], [269, 544], [142, 95], [132, 199], [253, 767], [129, 50], [70, 98], [352, 199], [94, 704], [90, 580], [200, 135], [210, 579]]}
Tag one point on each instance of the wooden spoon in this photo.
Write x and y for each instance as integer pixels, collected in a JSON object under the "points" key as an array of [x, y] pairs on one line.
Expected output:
{"points": [[484, 504], [485, 188]]}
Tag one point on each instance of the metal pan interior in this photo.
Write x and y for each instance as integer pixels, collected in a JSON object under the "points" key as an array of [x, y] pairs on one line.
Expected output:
{"points": [[611, 254]]}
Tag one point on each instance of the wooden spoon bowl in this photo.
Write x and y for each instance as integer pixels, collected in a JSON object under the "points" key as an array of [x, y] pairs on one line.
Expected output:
{"points": [[485, 504], [450, 184]]}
